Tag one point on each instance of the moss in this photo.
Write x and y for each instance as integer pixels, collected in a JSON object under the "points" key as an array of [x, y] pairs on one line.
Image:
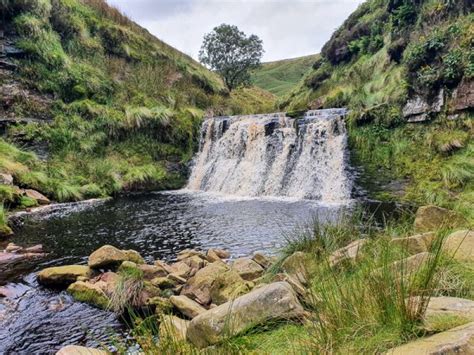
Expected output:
{"points": [[84, 292]]}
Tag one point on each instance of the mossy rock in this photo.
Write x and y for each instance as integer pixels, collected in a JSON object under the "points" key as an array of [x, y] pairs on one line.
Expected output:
{"points": [[5, 231], [89, 293], [63, 275]]}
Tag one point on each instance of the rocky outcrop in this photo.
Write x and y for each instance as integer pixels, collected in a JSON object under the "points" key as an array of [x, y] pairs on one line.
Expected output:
{"points": [[460, 245], [463, 96], [415, 244], [268, 303], [431, 218], [80, 350], [459, 340], [418, 109], [63, 275]]}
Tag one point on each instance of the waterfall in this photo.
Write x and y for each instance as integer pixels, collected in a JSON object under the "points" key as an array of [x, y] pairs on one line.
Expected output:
{"points": [[274, 155]]}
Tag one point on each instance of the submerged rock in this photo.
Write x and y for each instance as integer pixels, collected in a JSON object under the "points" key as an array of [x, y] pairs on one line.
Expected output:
{"points": [[268, 303], [63, 275], [459, 340]]}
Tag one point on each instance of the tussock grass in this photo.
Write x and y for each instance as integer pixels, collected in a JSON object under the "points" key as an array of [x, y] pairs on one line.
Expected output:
{"points": [[127, 290]]}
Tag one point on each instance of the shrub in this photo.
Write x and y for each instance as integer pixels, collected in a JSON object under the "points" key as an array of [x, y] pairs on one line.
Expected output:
{"points": [[453, 67]]}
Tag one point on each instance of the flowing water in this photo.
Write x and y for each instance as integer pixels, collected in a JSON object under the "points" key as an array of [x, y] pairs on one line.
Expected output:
{"points": [[296, 170]]}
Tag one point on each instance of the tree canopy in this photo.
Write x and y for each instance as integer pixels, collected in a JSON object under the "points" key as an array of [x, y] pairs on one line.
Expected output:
{"points": [[232, 54]]}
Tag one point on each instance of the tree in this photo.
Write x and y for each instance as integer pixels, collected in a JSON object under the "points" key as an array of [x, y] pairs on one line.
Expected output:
{"points": [[232, 54]]}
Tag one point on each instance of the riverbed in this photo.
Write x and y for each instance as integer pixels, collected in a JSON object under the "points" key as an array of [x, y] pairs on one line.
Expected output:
{"points": [[158, 225]]}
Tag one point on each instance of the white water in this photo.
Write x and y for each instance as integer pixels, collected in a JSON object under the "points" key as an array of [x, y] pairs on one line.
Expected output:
{"points": [[274, 155]]}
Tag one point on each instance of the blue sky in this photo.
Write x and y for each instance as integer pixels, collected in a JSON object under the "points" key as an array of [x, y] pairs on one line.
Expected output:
{"points": [[288, 28]]}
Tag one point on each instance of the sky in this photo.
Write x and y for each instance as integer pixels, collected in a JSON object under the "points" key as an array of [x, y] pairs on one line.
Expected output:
{"points": [[288, 28]]}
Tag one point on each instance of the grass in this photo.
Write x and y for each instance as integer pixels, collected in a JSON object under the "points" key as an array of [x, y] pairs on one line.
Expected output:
{"points": [[127, 290], [281, 76]]}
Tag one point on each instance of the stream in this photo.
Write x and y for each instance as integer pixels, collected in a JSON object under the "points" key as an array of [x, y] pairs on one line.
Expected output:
{"points": [[36, 320]]}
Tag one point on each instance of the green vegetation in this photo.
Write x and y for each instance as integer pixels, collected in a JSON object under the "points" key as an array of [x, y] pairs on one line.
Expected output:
{"points": [[385, 53], [126, 107], [281, 76]]}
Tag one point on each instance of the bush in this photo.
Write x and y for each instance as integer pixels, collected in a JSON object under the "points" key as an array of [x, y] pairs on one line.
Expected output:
{"points": [[453, 67]]}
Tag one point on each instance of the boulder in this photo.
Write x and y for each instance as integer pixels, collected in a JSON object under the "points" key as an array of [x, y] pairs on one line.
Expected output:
{"points": [[459, 340], [107, 256], [134, 256], [228, 286], [460, 245], [6, 179], [173, 328], [411, 264], [198, 287], [450, 306], [63, 275], [177, 279], [415, 244], [262, 260], [349, 252], [417, 109], [294, 283], [222, 254], [151, 272], [80, 350], [179, 269], [212, 256], [295, 265], [163, 282], [160, 304], [195, 262], [89, 293], [247, 268], [431, 218], [37, 196], [187, 306], [187, 253], [269, 303]]}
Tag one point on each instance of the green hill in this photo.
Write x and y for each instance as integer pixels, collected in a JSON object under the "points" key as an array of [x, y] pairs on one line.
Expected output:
{"points": [[105, 105], [405, 69], [281, 76]]}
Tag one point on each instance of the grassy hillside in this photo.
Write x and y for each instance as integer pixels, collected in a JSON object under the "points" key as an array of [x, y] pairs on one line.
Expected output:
{"points": [[281, 76], [116, 108], [387, 54]]}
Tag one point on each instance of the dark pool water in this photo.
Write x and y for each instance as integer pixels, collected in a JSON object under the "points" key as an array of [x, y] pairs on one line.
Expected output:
{"points": [[158, 225]]}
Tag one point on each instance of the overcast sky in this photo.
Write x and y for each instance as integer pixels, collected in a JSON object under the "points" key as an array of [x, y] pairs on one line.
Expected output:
{"points": [[288, 28]]}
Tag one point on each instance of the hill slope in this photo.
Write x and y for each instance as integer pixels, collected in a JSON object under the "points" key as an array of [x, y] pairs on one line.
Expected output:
{"points": [[405, 68], [104, 105], [281, 76]]}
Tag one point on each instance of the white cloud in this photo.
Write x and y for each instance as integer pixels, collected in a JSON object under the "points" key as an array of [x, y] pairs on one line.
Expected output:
{"points": [[288, 28]]}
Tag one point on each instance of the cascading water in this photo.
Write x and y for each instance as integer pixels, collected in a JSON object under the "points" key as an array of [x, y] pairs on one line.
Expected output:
{"points": [[274, 155]]}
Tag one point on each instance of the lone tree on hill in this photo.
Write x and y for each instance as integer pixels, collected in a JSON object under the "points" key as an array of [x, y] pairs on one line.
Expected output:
{"points": [[232, 54]]}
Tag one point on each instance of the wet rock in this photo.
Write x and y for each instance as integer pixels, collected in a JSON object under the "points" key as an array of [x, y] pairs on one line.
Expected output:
{"points": [[6, 179], [349, 252], [89, 293], [262, 260], [173, 328], [460, 245], [295, 265], [415, 244], [228, 286], [247, 268], [431, 218], [63, 275], [107, 256], [80, 350], [198, 287], [269, 303], [187, 306], [37, 196], [459, 340]]}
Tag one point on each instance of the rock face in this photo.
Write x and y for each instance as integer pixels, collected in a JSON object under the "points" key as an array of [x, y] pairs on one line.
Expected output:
{"points": [[460, 244], [459, 340], [63, 275], [35, 195], [107, 256], [198, 287], [270, 302], [463, 96], [187, 306], [80, 350], [431, 218], [349, 252], [247, 268], [415, 244], [418, 109]]}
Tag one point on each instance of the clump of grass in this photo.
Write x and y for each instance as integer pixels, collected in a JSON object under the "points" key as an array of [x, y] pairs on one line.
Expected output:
{"points": [[127, 290]]}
